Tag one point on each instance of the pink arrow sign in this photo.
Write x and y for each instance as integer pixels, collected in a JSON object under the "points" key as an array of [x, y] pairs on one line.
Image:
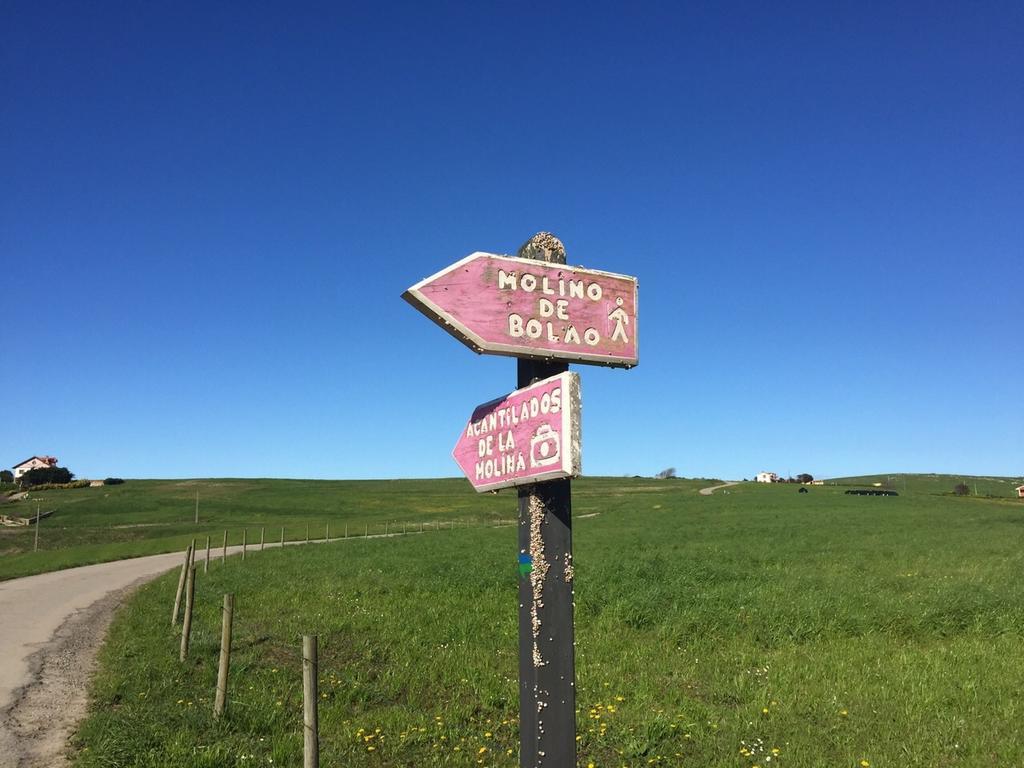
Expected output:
{"points": [[502, 305], [528, 436]]}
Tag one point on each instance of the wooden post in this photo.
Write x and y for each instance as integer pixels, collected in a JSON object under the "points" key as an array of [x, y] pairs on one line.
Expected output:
{"points": [[186, 627], [35, 546], [197, 507], [327, 533], [404, 529], [206, 562], [346, 530], [310, 726], [421, 526], [245, 531], [366, 530], [385, 527], [225, 656], [282, 536], [263, 532], [224, 554], [181, 585], [547, 674], [307, 533]]}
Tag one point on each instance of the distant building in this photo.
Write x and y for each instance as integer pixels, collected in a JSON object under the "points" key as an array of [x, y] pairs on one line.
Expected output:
{"points": [[767, 477], [36, 462], [1020, 491]]}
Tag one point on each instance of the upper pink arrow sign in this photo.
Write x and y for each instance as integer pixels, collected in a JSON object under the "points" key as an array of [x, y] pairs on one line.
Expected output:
{"points": [[528, 436], [502, 305]]}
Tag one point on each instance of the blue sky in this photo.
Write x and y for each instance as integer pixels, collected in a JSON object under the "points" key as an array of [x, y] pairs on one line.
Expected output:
{"points": [[208, 214]]}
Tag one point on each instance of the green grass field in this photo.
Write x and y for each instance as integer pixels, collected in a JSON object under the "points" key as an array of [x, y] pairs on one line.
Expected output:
{"points": [[814, 629], [144, 517]]}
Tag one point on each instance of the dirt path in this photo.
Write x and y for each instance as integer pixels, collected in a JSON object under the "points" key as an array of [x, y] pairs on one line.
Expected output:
{"points": [[713, 488], [53, 625], [51, 628]]}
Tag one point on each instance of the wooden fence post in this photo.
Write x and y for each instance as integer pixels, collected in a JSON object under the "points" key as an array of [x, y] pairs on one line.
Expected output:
{"points": [[206, 562], [263, 532], [310, 726], [346, 530], [181, 586], [224, 555], [282, 535], [244, 532], [186, 627], [225, 656], [307, 533], [327, 534]]}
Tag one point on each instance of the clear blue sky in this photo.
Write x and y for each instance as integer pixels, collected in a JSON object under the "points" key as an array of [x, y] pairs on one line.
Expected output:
{"points": [[207, 217]]}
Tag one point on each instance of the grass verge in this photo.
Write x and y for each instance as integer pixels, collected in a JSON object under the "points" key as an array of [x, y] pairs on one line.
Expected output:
{"points": [[815, 629]]}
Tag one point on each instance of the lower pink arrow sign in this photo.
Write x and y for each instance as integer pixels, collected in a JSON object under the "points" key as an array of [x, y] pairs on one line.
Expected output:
{"points": [[528, 436]]}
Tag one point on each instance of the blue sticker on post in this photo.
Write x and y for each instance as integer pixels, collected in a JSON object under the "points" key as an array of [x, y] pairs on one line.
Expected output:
{"points": [[525, 565]]}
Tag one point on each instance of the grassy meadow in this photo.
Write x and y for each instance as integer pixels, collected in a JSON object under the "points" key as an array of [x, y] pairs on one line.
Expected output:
{"points": [[759, 627], [145, 517]]}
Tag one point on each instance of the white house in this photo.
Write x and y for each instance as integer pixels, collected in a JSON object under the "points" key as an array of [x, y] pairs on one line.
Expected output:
{"points": [[1020, 491], [36, 462], [767, 477]]}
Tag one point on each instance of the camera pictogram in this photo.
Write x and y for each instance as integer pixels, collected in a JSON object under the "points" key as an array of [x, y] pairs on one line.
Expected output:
{"points": [[545, 447]]}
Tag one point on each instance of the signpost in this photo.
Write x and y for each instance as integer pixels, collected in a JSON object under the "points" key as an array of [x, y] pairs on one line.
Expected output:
{"points": [[528, 436], [503, 305], [535, 308]]}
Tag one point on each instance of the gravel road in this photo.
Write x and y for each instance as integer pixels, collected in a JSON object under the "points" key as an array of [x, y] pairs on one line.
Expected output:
{"points": [[713, 488], [52, 626]]}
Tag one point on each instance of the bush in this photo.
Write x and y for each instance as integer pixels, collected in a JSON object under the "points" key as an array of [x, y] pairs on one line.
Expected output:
{"points": [[961, 489], [46, 475], [6, 476], [60, 486], [112, 481]]}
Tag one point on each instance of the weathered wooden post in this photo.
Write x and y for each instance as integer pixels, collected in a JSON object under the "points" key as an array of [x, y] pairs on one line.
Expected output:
{"points": [[245, 532], [181, 585], [186, 627], [206, 562], [282, 536], [307, 533], [346, 530], [224, 552], [263, 533], [535, 308], [225, 656], [310, 726]]}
